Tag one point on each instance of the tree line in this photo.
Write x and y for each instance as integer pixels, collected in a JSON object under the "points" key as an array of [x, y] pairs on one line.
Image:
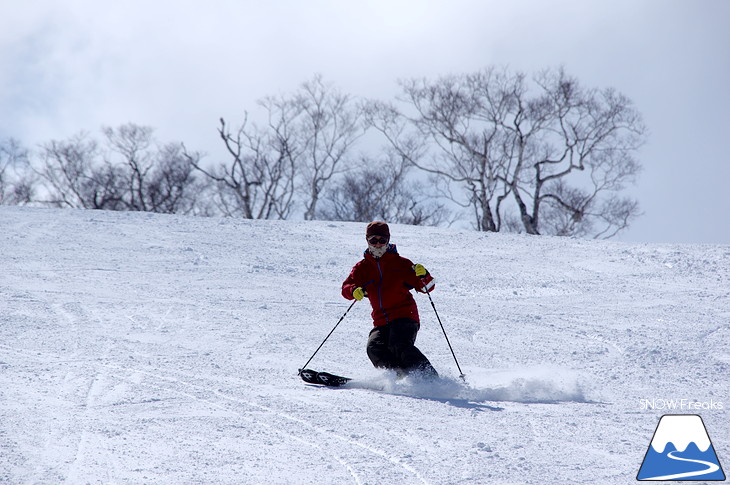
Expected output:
{"points": [[506, 152]]}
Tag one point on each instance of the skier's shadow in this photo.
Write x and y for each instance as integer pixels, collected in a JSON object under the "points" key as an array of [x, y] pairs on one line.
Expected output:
{"points": [[456, 402], [452, 401]]}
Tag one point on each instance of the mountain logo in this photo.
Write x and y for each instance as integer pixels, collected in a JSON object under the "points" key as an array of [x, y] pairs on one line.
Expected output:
{"points": [[681, 450]]}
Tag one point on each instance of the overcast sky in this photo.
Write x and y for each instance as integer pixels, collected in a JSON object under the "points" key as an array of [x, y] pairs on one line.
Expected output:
{"points": [[178, 66]]}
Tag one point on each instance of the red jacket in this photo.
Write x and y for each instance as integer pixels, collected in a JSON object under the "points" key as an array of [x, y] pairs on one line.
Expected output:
{"points": [[388, 282]]}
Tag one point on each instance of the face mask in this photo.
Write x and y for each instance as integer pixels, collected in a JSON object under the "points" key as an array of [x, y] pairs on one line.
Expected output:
{"points": [[378, 252]]}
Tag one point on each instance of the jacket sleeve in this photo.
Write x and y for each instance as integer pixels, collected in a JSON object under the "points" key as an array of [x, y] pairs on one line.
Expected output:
{"points": [[424, 284], [352, 282], [428, 284]]}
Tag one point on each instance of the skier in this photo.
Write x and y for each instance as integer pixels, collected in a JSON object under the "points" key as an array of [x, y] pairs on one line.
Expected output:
{"points": [[386, 278]]}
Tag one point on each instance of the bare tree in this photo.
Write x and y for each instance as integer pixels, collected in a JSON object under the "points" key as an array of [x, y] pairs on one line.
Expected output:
{"points": [[573, 132], [258, 183], [381, 191], [327, 126], [133, 143], [16, 181], [128, 172], [441, 141], [75, 178], [511, 149], [157, 178], [171, 186], [291, 158]]}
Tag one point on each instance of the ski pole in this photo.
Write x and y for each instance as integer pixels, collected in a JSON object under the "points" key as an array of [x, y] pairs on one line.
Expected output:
{"points": [[328, 336], [461, 374]]}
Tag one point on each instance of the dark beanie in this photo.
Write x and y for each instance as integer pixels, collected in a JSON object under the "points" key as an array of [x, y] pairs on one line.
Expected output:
{"points": [[377, 228]]}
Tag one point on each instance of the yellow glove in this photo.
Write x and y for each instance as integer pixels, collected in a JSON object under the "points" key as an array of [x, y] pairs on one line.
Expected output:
{"points": [[420, 270], [359, 293]]}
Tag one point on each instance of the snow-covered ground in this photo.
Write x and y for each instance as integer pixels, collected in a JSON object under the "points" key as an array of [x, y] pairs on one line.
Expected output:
{"points": [[139, 348]]}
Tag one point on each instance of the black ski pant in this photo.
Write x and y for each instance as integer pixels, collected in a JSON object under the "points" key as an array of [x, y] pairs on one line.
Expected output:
{"points": [[392, 346]]}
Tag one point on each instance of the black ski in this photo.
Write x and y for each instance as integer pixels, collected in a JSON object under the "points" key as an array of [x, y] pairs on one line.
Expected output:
{"points": [[323, 378]]}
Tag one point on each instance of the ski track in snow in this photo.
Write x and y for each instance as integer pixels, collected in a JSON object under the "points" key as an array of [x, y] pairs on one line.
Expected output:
{"points": [[139, 348], [206, 395]]}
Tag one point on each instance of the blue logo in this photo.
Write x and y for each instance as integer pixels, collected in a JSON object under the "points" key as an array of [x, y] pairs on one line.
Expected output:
{"points": [[681, 450]]}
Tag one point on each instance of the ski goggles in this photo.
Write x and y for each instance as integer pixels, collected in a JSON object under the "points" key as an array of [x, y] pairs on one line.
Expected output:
{"points": [[377, 240]]}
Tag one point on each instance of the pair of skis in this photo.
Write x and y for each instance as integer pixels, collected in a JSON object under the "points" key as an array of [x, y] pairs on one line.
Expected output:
{"points": [[331, 380], [322, 378]]}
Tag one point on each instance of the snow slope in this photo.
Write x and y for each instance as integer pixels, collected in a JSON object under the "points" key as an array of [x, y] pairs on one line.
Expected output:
{"points": [[140, 348]]}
